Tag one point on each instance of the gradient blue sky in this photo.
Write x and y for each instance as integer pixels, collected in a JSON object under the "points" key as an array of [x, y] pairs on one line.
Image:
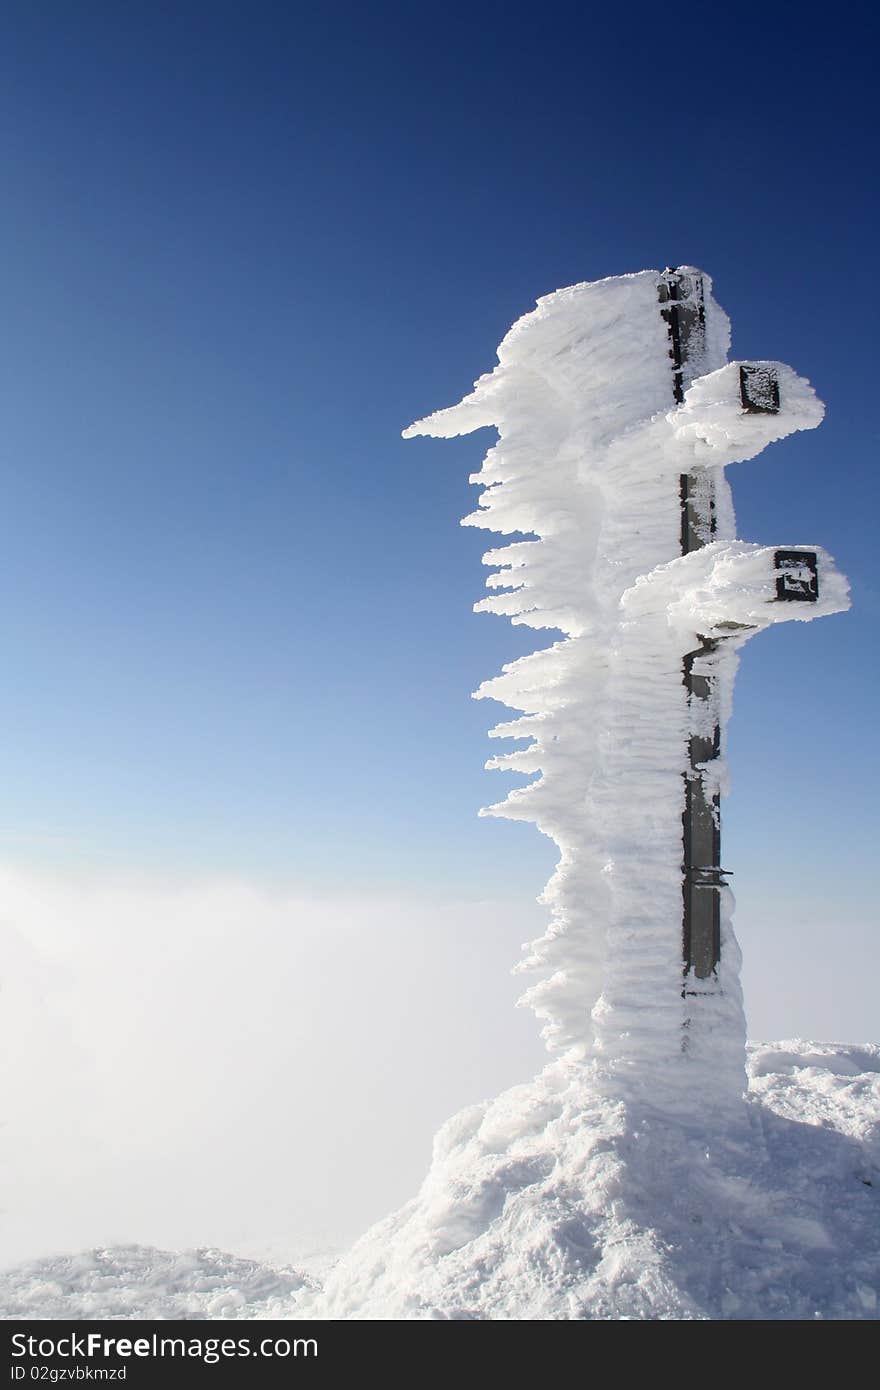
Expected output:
{"points": [[242, 247]]}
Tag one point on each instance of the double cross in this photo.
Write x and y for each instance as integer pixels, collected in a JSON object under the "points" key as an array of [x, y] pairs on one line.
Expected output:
{"points": [[682, 306]]}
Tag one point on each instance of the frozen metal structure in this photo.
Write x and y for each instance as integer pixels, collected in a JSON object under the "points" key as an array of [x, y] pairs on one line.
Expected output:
{"points": [[617, 412], [796, 572]]}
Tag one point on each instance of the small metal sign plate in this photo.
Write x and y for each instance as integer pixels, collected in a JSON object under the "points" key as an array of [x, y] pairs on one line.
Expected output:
{"points": [[759, 390], [797, 575]]}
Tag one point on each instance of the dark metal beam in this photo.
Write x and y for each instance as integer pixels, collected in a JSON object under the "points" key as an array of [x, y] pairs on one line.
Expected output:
{"points": [[683, 310]]}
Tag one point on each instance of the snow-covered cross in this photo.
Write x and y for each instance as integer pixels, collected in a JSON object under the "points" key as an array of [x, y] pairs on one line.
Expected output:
{"points": [[683, 310], [617, 412]]}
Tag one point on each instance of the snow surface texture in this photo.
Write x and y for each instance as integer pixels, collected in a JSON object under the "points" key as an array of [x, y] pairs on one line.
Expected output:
{"points": [[131, 1281], [550, 1204]]}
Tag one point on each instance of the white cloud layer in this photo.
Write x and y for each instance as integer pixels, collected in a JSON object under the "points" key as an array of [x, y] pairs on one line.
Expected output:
{"points": [[221, 1063], [215, 1063]]}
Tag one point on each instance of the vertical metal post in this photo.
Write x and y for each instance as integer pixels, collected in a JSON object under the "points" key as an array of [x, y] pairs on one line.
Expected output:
{"points": [[683, 309]]}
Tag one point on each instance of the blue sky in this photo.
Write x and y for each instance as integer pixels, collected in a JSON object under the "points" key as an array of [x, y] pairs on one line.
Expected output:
{"points": [[242, 248]]}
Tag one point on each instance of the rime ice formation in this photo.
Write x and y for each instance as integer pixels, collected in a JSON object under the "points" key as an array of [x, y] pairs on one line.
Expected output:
{"points": [[610, 1186], [591, 448]]}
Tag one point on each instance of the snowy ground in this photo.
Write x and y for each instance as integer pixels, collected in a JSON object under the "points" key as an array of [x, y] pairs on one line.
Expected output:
{"points": [[135, 1281], [534, 1209]]}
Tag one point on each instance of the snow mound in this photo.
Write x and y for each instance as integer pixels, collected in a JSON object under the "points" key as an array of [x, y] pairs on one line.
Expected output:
{"points": [[135, 1281], [557, 1202]]}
